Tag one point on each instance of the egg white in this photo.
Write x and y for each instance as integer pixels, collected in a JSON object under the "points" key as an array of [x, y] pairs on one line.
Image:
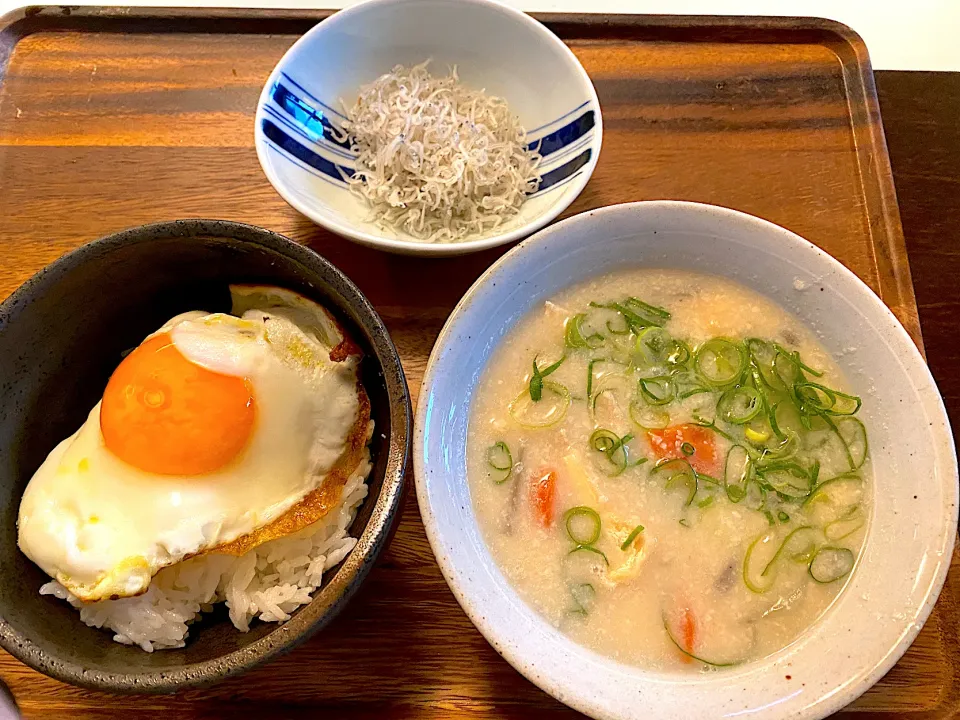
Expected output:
{"points": [[103, 528]]}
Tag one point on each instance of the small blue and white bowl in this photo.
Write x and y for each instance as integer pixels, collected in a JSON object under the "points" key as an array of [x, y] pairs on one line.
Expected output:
{"points": [[494, 47]]}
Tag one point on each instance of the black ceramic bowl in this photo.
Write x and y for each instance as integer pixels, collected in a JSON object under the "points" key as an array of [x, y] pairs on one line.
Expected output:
{"points": [[61, 336]]}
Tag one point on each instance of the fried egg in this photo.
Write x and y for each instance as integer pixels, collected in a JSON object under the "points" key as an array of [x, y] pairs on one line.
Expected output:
{"points": [[217, 433]]}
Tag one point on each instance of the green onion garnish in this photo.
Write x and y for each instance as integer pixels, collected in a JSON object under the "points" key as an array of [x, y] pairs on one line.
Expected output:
{"points": [[500, 460], [719, 362], [711, 663], [571, 520], [574, 336], [614, 448], [830, 564], [536, 382], [739, 405], [679, 473], [658, 390], [631, 537], [591, 549], [542, 414]]}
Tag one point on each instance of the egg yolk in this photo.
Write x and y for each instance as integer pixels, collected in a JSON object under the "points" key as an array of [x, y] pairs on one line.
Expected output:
{"points": [[164, 414]]}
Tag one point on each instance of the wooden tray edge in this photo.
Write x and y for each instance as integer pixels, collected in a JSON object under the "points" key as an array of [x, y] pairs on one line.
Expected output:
{"points": [[873, 159], [887, 240]]}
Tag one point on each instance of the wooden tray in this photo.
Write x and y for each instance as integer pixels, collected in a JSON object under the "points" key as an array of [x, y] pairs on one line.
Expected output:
{"points": [[114, 117]]}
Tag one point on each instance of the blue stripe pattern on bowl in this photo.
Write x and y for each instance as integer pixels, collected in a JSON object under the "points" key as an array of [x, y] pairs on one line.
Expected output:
{"points": [[294, 115]]}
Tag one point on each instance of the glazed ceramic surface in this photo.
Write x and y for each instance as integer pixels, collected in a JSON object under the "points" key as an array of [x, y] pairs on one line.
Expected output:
{"points": [[494, 47], [62, 334], [911, 528]]}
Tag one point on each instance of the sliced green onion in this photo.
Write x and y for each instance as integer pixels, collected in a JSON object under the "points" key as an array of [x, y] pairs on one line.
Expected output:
{"points": [[570, 520], [794, 357], [614, 448], [787, 418], [590, 365], [658, 390], [755, 495], [647, 417], [843, 528], [797, 541], [813, 399], [623, 329], [762, 357], [787, 448], [604, 441], [789, 479], [654, 345], [647, 308], [679, 354], [703, 422], [536, 381], [638, 316], [830, 564], [836, 431], [500, 460], [636, 321], [631, 537], [736, 472], [688, 384], [706, 502], [783, 517], [786, 370], [543, 414], [684, 522], [678, 472], [711, 663], [709, 478], [618, 385], [735, 493], [753, 569], [834, 498], [854, 436], [719, 362], [575, 338], [739, 405], [687, 449], [590, 549]]}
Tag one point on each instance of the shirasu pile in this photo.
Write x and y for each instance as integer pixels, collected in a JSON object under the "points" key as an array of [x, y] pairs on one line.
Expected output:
{"points": [[437, 160]]}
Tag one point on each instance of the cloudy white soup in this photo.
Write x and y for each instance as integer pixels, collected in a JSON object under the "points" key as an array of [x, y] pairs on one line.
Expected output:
{"points": [[670, 468]]}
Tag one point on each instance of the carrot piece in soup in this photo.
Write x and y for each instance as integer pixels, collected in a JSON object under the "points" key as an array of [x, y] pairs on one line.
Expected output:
{"points": [[670, 443], [684, 632], [543, 495], [688, 629]]}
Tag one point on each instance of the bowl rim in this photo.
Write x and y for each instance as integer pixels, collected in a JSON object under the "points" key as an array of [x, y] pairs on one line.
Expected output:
{"points": [[822, 707], [413, 247], [350, 573]]}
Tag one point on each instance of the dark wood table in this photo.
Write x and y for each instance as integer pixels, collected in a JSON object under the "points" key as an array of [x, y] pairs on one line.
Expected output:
{"points": [[921, 115], [921, 118]]}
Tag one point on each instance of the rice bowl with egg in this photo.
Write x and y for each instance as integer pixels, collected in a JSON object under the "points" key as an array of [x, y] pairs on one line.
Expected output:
{"points": [[267, 583], [245, 436]]}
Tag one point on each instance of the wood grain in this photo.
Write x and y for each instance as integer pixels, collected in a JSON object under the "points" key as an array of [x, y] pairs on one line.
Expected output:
{"points": [[113, 119]]}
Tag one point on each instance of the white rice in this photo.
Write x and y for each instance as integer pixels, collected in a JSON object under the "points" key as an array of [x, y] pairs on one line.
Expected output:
{"points": [[269, 582]]}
